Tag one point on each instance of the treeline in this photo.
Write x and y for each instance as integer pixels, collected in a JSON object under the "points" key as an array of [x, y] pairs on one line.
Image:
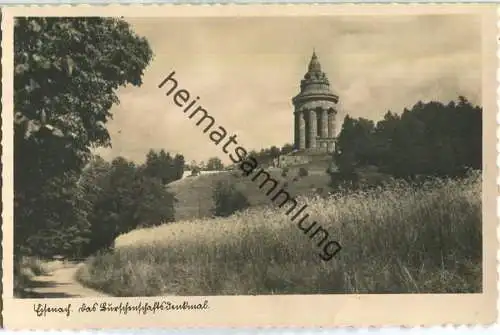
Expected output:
{"points": [[76, 215], [65, 81], [213, 164], [265, 156], [124, 196], [430, 139], [163, 166]]}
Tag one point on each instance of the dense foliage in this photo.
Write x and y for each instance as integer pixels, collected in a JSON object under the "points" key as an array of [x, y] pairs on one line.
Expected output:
{"points": [[123, 198], [228, 199], [195, 171], [62, 226], [163, 166], [214, 164], [431, 139], [265, 156], [67, 71]]}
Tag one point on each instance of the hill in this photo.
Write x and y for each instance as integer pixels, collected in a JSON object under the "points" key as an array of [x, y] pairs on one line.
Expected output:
{"points": [[194, 194]]}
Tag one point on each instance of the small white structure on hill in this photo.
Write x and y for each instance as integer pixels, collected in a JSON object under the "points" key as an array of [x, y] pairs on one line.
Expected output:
{"points": [[187, 173]]}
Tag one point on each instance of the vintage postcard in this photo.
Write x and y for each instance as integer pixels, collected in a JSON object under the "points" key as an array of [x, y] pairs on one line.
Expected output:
{"points": [[249, 166]]}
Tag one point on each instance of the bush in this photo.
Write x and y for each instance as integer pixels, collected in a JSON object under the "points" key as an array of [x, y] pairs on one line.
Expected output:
{"points": [[228, 199], [195, 171], [123, 199], [25, 268], [360, 179], [332, 168], [303, 172], [284, 172]]}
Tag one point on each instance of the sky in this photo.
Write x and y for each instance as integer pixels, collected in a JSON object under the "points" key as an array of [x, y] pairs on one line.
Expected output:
{"points": [[247, 69]]}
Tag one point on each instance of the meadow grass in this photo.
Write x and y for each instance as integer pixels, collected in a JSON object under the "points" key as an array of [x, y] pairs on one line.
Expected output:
{"points": [[195, 194], [397, 239]]}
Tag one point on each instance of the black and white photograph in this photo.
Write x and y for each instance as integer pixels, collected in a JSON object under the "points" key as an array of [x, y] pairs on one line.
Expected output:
{"points": [[199, 157]]}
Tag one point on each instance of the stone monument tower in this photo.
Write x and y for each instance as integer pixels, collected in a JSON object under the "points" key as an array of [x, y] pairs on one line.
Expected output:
{"points": [[315, 111]]}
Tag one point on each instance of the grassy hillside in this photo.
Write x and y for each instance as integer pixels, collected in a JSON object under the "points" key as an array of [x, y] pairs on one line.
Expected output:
{"points": [[194, 194], [399, 239]]}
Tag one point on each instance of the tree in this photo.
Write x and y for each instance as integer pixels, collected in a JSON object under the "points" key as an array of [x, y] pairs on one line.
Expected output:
{"points": [[152, 165], [195, 171], [161, 165], [62, 206], [93, 179], [113, 209], [178, 166], [166, 163], [214, 164], [355, 144], [430, 139], [274, 152], [386, 130], [287, 148], [228, 199], [66, 72], [123, 199], [193, 164]]}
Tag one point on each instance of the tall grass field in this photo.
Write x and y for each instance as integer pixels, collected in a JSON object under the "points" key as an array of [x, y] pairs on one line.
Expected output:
{"points": [[397, 239]]}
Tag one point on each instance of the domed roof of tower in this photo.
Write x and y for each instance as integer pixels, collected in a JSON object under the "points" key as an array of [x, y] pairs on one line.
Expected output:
{"points": [[314, 65], [315, 84], [314, 71]]}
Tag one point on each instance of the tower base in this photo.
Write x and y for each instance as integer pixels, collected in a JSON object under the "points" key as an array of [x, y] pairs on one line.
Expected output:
{"points": [[303, 157]]}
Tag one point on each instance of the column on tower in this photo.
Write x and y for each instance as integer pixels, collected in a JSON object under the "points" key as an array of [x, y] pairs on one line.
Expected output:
{"points": [[331, 123], [301, 130], [324, 123], [313, 129], [296, 130], [323, 131], [331, 130]]}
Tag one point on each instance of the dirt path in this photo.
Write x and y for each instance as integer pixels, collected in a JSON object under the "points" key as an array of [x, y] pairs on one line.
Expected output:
{"points": [[60, 283]]}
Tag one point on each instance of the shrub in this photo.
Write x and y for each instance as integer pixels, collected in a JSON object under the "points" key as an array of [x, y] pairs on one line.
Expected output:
{"points": [[360, 179], [195, 171], [228, 199], [25, 268], [303, 172], [123, 199], [284, 171], [332, 168]]}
